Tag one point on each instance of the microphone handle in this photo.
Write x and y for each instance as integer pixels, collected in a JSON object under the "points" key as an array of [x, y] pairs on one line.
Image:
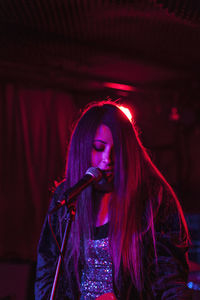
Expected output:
{"points": [[79, 186], [74, 191]]}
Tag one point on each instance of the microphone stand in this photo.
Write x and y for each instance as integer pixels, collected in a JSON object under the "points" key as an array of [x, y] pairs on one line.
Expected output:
{"points": [[92, 174], [72, 210]]}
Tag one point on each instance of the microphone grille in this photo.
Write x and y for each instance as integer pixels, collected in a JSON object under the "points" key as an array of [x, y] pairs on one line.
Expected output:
{"points": [[94, 172]]}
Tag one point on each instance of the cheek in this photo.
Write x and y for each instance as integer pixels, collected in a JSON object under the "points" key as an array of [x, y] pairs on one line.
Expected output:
{"points": [[95, 158]]}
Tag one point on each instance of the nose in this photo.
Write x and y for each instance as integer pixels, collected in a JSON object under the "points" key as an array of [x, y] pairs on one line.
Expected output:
{"points": [[107, 157]]}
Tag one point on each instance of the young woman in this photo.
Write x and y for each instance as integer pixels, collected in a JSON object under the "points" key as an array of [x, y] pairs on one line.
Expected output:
{"points": [[129, 239]]}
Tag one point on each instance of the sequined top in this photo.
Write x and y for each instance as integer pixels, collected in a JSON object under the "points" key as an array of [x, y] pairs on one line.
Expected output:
{"points": [[97, 273]]}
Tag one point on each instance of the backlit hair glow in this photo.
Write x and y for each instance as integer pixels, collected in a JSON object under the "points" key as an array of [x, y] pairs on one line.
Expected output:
{"points": [[127, 112]]}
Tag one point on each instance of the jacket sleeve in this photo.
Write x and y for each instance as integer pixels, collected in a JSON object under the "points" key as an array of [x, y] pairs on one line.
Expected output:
{"points": [[169, 270], [47, 257]]}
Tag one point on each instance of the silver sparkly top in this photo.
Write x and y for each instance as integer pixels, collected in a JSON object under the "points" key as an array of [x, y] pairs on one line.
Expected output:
{"points": [[97, 274]]}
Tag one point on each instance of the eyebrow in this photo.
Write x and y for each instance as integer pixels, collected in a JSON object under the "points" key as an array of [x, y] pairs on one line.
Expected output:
{"points": [[97, 140]]}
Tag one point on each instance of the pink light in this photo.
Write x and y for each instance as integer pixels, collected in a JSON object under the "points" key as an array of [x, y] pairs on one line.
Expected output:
{"points": [[174, 115], [118, 86], [127, 112]]}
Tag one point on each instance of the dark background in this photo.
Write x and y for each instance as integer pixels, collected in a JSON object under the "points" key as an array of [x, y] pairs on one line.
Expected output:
{"points": [[55, 57]]}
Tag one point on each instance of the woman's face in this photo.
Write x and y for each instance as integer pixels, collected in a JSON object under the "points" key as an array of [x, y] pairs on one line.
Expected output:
{"points": [[103, 152]]}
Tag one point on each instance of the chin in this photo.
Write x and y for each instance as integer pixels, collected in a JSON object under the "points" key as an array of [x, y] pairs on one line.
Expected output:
{"points": [[104, 185]]}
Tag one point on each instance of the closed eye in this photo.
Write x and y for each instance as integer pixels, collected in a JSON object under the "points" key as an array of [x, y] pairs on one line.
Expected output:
{"points": [[98, 148]]}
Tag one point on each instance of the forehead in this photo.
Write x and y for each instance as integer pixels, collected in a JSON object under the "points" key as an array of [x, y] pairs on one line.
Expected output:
{"points": [[104, 133]]}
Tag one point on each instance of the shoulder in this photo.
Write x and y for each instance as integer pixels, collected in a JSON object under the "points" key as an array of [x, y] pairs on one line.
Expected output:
{"points": [[168, 217], [170, 221], [58, 192], [59, 188], [58, 196]]}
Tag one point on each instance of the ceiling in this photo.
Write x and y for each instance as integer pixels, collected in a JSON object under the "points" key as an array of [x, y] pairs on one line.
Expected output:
{"points": [[81, 44]]}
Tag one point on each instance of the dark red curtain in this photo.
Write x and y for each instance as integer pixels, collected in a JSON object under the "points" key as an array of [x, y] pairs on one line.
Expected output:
{"points": [[35, 127]]}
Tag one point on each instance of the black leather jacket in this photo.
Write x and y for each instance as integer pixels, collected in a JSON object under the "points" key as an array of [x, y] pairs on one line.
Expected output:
{"points": [[165, 280]]}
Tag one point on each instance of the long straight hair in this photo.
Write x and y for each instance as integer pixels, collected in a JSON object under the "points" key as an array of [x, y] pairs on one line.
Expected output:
{"points": [[139, 192]]}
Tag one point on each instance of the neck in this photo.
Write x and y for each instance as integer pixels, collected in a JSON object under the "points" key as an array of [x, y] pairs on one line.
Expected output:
{"points": [[102, 215]]}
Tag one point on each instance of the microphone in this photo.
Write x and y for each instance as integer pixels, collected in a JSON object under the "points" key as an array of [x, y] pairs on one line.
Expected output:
{"points": [[92, 175]]}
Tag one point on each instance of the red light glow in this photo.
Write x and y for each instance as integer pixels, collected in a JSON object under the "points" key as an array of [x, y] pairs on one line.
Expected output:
{"points": [[174, 115], [118, 86]]}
